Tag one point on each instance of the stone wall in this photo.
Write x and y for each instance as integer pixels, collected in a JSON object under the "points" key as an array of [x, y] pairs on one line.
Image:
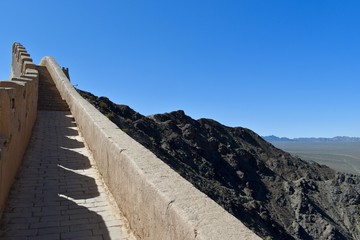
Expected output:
{"points": [[18, 110], [158, 202]]}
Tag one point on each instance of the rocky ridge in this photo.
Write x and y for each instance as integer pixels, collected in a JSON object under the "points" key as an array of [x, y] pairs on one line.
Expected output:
{"points": [[275, 194]]}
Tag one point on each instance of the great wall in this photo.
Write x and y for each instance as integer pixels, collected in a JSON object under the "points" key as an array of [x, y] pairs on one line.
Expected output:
{"points": [[156, 202]]}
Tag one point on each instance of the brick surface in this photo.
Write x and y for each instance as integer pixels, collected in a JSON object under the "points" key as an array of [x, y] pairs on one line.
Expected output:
{"points": [[59, 193]]}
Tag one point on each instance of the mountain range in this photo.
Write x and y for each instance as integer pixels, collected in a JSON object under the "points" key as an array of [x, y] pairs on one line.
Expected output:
{"points": [[339, 139], [275, 194]]}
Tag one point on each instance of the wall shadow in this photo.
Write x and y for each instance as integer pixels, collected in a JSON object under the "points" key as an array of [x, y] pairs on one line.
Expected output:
{"points": [[49, 199]]}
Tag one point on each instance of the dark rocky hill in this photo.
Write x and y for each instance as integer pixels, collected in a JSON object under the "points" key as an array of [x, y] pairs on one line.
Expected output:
{"points": [[273, 193]]}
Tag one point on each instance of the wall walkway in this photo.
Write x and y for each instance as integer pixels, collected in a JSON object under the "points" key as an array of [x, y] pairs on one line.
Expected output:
{"points": [[59, 193]]}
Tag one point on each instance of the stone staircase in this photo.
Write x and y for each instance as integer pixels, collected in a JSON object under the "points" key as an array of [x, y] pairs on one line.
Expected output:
{"points": [[49, 96]]}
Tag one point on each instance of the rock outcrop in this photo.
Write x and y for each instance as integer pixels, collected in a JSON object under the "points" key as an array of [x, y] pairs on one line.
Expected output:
{"points": [[275, 194]]}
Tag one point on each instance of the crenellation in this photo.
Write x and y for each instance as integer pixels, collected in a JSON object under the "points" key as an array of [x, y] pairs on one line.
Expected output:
{"points": [[15, 46], [31, 73], [21, 61], [27, 64], [19, 51], [22, 54], [18, 111]]}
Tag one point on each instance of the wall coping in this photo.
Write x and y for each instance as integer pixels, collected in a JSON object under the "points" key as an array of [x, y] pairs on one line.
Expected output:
{"points": [[156, 200]]}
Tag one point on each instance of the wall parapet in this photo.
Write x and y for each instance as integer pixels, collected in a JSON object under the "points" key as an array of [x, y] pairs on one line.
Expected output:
{"points": [[158, 202], [18, 111]]}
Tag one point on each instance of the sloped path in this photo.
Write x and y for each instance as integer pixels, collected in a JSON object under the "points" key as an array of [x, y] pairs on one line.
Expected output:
{"points": [[59, 194], [49, 96]]}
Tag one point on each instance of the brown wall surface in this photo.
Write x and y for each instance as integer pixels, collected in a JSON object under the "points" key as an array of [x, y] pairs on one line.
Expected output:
{"points": [[18, 111]]}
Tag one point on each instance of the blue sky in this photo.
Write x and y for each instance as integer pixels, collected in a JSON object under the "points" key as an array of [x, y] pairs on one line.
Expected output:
{"points": [[283, 67]]}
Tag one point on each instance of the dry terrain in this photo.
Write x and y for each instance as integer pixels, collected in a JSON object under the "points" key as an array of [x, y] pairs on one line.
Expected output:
{"points": [[342, 156]]}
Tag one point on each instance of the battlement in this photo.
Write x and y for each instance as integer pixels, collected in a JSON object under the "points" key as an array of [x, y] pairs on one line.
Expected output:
{"points": [[18, 110], [21, 61]]}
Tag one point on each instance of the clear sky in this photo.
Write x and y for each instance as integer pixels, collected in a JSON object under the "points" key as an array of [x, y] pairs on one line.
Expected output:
{"points": [[284, 67]]}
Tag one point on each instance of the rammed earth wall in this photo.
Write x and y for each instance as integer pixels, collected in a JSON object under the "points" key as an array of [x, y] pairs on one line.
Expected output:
{"points": [[18, 111]]}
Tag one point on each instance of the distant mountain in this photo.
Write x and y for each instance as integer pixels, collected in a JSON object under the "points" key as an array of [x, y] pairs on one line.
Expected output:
{"points": [[275, 194], [273, 138], [340, 139]]}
